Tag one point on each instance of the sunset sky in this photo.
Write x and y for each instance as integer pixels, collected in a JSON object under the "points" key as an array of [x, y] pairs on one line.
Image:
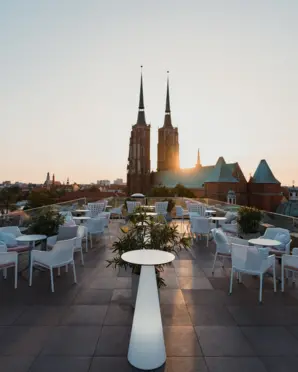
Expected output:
{"points": [[70, 75]]}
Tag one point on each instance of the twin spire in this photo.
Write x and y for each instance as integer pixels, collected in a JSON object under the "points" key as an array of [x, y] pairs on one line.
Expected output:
{"points": [[141, 113]]}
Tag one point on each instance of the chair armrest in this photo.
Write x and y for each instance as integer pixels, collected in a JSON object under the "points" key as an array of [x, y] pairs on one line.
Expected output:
{"points": [[8, 255], [41, 256]]}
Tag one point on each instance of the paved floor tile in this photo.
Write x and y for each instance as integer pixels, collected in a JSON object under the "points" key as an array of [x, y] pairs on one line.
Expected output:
{"points": [[85, 315], [175, 315], [237, 364], [271, 341], [122, 296], [171, 296], [42, 315], [194, 283], [189, 272], [111, 283], [223, 341], [119, 314], [280, 364], [15, 363], [186, 364], [113, 341], [46, 363], [76, 341], [94, 297], [23, 340], [184, 263], [171, 281], [181, 341], [110, 364], [210, 315], [9, 314], [204, 297], [258, 315]]}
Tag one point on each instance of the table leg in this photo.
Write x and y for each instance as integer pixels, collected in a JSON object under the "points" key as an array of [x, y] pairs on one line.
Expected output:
{"points": [[147, 347]]}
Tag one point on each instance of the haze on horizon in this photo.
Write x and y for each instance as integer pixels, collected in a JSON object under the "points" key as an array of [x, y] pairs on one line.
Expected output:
{"points": [[70, 82]]}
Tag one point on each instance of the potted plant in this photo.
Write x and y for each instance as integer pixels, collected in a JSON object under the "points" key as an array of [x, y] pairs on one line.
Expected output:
{"points": [[143, 232], [46, 222], [248, 220]]}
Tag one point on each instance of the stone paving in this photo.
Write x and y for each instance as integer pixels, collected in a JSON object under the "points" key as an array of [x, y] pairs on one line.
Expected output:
{"points": [[86, 327]]}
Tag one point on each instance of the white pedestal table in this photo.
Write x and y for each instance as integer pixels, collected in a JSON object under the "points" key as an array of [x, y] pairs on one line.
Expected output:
{"points": [[147, 347]]}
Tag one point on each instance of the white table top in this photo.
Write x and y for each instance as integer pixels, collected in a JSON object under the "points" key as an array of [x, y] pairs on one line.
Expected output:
{"points": [[81, 218], [264, 242], [148, 257], [30, 238], [217, 218], [210, 211], [82, 210]]}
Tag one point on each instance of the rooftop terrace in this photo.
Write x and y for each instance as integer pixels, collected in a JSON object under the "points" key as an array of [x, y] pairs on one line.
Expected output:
{"points": [[86, 327]]}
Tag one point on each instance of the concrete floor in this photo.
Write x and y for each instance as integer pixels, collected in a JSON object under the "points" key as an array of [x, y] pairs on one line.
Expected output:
{"points": [[86, 327]]}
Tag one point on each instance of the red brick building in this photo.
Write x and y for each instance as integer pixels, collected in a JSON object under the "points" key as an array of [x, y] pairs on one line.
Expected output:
{"points": [[222, 181]]}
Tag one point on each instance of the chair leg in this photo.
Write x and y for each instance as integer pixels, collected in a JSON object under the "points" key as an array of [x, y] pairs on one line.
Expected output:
{"points": [[261, 288], [231, 281], [30, 273], [91, 244], [86, 244], [74, 272], [82, 257], [282, 277], [52, 279], [66, 268], [5, 273], [207, 237], [59, 271], [215, 258], [274, 277], [16, 275]]}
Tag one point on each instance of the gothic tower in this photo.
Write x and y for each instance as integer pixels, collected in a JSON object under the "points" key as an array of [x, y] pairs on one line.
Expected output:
{"points": [[138, 168], [168, 144]]}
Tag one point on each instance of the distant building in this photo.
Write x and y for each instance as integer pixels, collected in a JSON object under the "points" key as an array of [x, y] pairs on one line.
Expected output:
{"points": [[289, 204], [118, 181], [221, 181], [103, 183]]}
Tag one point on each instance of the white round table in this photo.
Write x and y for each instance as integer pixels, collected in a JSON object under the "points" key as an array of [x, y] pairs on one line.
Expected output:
{"points": [[217, 219], [210, 211], [147, 347], [82, 210], [31, 239], [81, 218], [264, 242]]}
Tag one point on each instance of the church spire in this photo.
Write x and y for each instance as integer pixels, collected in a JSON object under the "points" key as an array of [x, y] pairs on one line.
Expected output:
{"points": [[141, 114], [168, 120]]}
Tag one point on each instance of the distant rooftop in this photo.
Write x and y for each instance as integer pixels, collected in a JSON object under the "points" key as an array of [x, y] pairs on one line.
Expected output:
{"points": [[263, 174]]}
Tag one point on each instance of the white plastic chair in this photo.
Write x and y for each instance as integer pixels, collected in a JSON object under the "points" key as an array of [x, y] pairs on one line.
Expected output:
{"points": [[7, 260], [224, 245], [289, 263], [161, 208], [60, 255], [95, 226], [95, 209], [193, 208], [271, 233], [200, 226], [181, 213], [117, 211], [253, 261], [132, 206]]}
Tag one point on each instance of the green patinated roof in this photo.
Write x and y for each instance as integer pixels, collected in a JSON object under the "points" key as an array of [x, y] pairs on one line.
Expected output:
{"points": [[222, 172], [263, 174], [196, 177]]}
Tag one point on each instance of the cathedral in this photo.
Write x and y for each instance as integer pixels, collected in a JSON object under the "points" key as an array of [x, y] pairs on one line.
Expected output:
{"points": [[221, 181]]}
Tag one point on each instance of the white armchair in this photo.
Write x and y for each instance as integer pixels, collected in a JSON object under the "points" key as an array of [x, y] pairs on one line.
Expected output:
{"points": [[289, 263], [95, 226], [60, 255], [200, 226], [279, 234], [132, 206], [224, 245], [117, 211], [253, 261], [7, 260]]}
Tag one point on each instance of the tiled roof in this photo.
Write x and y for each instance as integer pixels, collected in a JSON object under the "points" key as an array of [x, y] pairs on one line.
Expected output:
{"points": [[263, 174]]}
